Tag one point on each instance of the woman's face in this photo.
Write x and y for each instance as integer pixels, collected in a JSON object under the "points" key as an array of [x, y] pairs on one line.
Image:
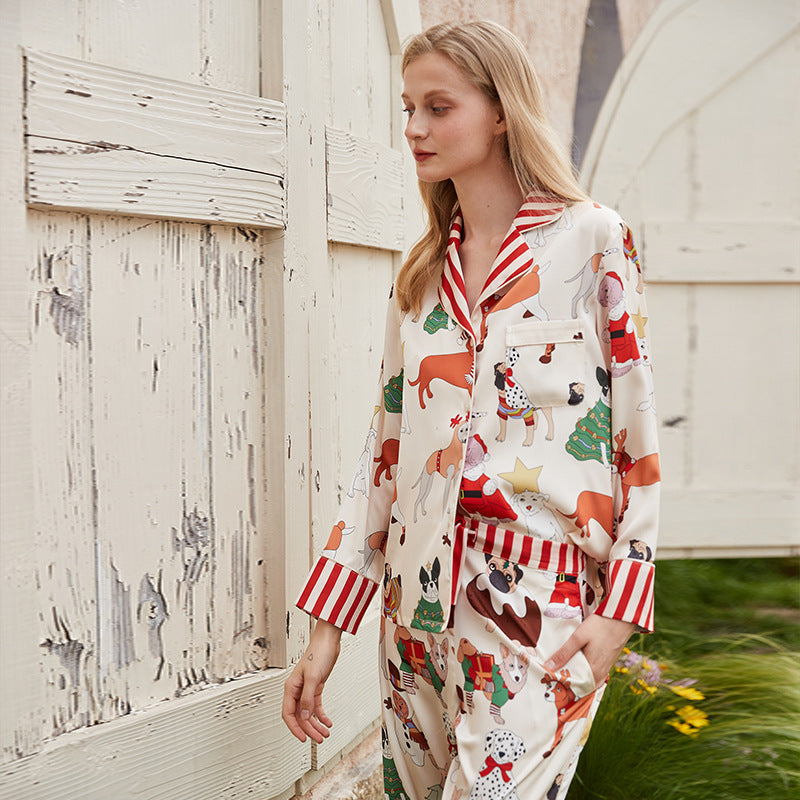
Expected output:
{"points": [[453, 129]]}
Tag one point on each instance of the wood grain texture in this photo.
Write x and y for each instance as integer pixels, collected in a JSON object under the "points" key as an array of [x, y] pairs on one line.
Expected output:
{"points": [[226, 742], [707, 179], [105, 139], [718, 252], [365, 190]]}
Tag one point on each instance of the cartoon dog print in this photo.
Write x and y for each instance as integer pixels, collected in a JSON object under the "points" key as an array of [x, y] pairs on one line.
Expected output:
{"points": [[569, 707], [587, 275], [642, 471], [496, 595], [499, 682], [513, 402], [390, 451], [444, 462], [373, 544], [392, 785], [592, 506], [411, 738], [539, 520], [495, 781], [392, 595], [640, 551], [430, 664], [360, 482], [335, 539], [453, 368], [428, 615]]}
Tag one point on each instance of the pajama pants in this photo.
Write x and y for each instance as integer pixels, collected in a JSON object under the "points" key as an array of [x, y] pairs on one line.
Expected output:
{"points": [[470, 712]]}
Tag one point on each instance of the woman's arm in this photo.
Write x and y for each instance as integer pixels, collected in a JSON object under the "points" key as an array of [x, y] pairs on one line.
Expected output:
{"points": [[302, 693]]}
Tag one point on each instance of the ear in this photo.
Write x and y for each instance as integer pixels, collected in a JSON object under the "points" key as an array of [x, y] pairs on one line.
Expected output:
{"points": [[435, 569], [500, 124]]}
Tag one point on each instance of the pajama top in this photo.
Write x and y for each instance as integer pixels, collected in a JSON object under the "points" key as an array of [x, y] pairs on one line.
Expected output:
{"points": [[533, 412]]}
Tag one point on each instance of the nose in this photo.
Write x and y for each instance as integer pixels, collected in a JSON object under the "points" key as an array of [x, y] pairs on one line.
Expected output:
{"points": [[415, 128]]}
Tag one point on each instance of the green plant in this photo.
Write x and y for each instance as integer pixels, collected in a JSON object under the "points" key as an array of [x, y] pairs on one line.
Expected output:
{"points": [[724, 726]]}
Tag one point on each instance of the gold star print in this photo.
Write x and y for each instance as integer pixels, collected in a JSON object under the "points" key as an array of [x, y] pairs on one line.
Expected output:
{"points": [[639, 321], [523, 478]]}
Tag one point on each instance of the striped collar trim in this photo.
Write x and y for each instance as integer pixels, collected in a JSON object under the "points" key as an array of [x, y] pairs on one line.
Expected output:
{"points": [[513, 260]]}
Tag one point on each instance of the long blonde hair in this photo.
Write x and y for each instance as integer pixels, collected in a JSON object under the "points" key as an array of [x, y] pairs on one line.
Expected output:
{"points": [[495, 61]]}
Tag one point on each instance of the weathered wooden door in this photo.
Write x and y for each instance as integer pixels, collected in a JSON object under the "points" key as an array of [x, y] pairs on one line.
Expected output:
{"points": [[707, 177], [202, 207]]}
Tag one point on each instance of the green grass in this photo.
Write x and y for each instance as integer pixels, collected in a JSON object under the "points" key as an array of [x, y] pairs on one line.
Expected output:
{"points": [[699, 601], [731, 625]]}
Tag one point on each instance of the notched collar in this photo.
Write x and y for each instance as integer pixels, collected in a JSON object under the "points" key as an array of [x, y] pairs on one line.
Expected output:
{"points": [[513, 260]]}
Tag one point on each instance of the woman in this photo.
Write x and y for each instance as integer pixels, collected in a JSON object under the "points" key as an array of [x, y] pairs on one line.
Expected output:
{"points": [[510, 502]]}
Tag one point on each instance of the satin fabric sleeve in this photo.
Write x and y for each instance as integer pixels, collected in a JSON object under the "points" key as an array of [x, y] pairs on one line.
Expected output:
{"points": [[346, 574], [636, 477]]}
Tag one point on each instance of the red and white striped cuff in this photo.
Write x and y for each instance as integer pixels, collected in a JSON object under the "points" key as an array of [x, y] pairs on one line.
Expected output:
{"points": [[336, 594], [630, 592]]}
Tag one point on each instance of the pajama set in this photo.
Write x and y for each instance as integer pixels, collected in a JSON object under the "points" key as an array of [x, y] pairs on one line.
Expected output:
{"points": [[508, 488]]}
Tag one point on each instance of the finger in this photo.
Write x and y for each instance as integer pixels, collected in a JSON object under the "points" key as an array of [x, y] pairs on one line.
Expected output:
{"points": [[289, 717], [319, 726], [564, 653], [319, 711], [308, 701]]}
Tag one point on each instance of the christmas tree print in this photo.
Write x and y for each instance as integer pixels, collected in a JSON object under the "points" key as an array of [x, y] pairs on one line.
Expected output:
{"points": [[591, 439], [437, 320], [393, 394]]}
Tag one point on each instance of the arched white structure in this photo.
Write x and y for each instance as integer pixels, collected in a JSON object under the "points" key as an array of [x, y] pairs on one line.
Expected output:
{"points": [[697, 146]]}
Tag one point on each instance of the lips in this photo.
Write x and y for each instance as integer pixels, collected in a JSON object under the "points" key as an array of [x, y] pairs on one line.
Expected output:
{"points": [[421, 155]]}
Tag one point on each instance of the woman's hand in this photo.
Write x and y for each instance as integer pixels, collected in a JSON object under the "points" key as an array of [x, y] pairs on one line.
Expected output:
{"points": [[600, 638], [302, 693]]}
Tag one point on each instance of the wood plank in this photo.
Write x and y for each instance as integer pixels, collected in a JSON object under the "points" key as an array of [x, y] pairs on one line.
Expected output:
{"points": [[721, 252], [227, 741], [105, 139], [151, 289], [235, 399], [23, 723], [305, 299], [63, 542], [365, 191], [704, 523]]}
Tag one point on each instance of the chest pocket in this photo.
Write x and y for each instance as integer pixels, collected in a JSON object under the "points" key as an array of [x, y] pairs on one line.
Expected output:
{"points": [[545, 363]]}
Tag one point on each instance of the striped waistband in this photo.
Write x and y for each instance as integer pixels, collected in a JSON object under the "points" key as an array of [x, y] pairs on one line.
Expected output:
{"points": [[520, 548]]}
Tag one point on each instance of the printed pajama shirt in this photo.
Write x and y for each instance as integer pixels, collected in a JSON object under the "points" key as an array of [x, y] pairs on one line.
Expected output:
{"points": [[536, 407]]}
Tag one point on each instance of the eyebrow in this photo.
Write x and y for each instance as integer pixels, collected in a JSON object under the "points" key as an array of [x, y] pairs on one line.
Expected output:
{"points": [[430, 93]]}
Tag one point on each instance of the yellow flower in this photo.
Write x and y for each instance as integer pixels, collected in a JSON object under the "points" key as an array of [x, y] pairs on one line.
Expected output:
{"points": [[694, 716], [646, 686], [682, 727], [688, 693]]}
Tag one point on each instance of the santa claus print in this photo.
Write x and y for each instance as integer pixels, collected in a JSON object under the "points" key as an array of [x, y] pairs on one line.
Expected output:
{"points": [[479, 493], [621, 331]]}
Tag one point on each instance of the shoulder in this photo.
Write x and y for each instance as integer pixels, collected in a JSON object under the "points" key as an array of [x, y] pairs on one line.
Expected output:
{"points": [[596, 221]]}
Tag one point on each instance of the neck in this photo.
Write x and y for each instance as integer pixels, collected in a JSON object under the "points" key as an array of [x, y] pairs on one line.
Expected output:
{"points": [[488, 201]]}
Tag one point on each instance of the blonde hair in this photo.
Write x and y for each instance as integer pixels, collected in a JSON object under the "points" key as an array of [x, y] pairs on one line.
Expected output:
{"points": [[495, 61]]}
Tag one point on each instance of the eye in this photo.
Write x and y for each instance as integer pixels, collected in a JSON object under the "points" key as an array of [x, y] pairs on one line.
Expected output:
{"points": [[438, 109], [408, 111]]}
